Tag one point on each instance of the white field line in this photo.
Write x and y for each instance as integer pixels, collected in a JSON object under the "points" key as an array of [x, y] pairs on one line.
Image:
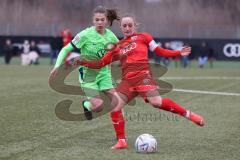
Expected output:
{"points": [[206, 92], [200, 78]]}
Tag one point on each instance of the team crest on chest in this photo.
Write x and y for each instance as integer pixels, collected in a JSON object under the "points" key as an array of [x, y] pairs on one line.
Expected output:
{"points": [[134, 38]]}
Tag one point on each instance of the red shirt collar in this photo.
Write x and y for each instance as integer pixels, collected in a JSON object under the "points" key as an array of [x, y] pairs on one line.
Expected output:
{"points": [[134, 34]]}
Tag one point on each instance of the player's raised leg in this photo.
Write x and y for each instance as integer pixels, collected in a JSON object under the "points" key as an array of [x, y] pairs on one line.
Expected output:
{"points": [[169, 105]]}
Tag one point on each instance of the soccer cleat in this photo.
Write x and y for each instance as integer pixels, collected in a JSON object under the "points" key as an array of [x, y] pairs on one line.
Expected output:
{"points": [[121, 144], [87, 113], [196, 118]]}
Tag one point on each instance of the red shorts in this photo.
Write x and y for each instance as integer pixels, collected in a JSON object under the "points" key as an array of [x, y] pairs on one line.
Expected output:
{"points": [[137, 85]]}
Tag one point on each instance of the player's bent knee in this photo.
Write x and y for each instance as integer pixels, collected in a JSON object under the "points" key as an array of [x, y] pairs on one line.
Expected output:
{"points": [[155, 101], [117, 106], [97, 105]]}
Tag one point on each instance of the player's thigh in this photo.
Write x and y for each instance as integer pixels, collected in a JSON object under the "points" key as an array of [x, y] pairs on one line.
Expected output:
{"points": [[118, 101], [97, 103], [124, 89]]}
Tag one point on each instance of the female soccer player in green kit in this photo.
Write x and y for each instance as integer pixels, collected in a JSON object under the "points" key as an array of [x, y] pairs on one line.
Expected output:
{"points": [[92, 43]]}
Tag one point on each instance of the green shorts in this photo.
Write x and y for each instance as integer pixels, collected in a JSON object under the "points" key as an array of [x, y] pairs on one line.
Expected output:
{"points": [[92, 86]]}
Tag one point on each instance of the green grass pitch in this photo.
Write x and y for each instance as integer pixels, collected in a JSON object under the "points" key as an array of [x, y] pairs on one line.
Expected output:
{"points": [[30, 130]]}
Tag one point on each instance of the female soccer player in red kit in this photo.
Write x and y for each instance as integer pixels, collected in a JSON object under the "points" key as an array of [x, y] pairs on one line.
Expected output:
{"points": [[137, 78]]}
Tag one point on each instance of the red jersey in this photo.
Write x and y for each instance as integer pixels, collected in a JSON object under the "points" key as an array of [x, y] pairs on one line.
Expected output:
{"points": [[133, 55]]}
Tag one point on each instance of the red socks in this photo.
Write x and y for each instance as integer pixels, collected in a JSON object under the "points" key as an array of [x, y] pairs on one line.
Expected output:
{"points": [[167, 105], [170, 106], [118, 124]]}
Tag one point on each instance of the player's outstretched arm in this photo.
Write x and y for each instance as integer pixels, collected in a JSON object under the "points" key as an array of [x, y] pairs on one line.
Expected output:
{"points": [[61, 56], [105, 60], [90, 64], [166, 52], [153, 46], [172, 53]]}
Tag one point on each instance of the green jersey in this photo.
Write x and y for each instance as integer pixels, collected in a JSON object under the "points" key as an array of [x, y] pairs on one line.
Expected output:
{"points": [[93, 47]]}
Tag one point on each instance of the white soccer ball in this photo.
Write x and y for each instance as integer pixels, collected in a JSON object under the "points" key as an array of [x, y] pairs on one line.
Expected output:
{"points": [[146, 143]]}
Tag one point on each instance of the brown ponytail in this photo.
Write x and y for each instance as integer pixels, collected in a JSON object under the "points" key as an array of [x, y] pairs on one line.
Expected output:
{"points": [[111, 14]]}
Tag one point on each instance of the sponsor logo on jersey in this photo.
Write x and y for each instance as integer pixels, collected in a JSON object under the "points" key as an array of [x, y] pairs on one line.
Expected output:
{"points": [[101, 53], [128, 47]]}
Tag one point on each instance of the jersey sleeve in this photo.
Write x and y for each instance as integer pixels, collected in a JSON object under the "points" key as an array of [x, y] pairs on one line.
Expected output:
{"points": [[79, 40], [166, 52], [154, 47], [63, 53], [150, 41]]}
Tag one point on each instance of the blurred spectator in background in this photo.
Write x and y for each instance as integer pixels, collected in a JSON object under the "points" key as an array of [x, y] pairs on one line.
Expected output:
{"points": [[203, 54], [34, 54], [176, 61], [56, 45], [25, 53], [185, 59], [156, 57], [166, 61], [211, 57], [8, 51], [175, 45]]}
